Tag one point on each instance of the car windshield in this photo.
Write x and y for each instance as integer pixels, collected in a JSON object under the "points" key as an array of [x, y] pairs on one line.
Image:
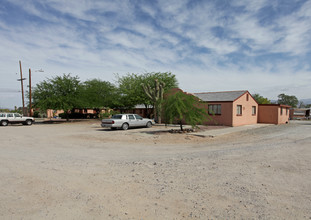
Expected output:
{"points": [[116, 117]]}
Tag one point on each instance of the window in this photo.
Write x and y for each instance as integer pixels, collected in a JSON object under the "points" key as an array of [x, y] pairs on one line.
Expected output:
{"points": [[281, 110], [214, 109], [139, 117], [247, 97], [253, 110], [116, 117], [239, 110], [10, 115], [131, 117], [286, 111]]}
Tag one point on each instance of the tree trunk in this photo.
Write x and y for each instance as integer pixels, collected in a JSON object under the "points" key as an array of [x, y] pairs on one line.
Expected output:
{"points": [[155, 115], [181, 128]]}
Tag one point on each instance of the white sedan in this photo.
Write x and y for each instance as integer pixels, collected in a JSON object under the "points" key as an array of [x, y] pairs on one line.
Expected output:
{"points": [[126, 121]]}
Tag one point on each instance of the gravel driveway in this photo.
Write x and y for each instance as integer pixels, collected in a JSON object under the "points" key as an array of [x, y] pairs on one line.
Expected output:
{"points": [[81, 171]]}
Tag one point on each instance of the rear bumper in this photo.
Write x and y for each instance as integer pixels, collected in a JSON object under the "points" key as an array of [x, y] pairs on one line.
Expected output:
{"points": [[109, 125]]}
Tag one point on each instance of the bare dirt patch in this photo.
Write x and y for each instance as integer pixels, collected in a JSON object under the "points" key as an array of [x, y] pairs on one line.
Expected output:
{"points": [[81, 171]]}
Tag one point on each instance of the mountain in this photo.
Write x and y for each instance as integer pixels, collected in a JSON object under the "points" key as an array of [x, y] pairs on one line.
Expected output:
{"points": [[305, 101]]}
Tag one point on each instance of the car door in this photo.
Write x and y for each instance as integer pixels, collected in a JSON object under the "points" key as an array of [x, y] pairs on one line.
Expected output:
{"points": [[139, 120], [132, 121], [17, 118], [11, 118]]}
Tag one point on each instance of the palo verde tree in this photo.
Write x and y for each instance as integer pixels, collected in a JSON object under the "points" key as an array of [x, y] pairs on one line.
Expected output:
{"points": [[184, 108], [290, 100], [58, 93]]}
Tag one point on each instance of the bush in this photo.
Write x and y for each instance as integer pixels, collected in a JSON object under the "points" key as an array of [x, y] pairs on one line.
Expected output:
{"points": [[36, 114]]}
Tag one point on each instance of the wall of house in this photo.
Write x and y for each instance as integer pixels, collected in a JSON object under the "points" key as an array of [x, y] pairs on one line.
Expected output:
{"points": [[246, 118], [268, 114], [225, 118], [284, 117]]}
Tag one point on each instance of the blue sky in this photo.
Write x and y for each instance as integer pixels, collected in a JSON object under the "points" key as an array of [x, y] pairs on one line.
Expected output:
{"points": [[263, 46]]}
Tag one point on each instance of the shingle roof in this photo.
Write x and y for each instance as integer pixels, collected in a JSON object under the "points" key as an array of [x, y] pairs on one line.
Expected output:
{"points": [[229, 96]]}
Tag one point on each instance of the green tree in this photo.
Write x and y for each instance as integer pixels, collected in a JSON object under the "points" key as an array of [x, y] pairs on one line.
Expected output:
{"points": [[290, 100], [260, 99], [58, 93], [184, 108], [130, 90], [97, 94]]}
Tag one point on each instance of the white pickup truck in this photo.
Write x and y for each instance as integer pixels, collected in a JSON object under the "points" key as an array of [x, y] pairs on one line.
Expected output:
{"points": [[15, 118], [126, 121]]}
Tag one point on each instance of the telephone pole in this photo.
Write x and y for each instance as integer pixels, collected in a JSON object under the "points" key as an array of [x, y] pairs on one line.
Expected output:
{"points": [[30, 107], [22, 86]]}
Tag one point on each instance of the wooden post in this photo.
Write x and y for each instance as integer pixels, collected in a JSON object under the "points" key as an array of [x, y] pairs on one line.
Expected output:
{"points": [[22, 86]]}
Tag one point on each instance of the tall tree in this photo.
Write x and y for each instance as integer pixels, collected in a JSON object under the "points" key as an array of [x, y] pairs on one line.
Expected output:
{"points": [[290, 100], [260, 99], [97, 94], [131, 91], [184, 108], [59, 93]]}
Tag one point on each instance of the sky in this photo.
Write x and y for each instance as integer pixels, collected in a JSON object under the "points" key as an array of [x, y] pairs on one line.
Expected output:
{"points": [[263, 46]]}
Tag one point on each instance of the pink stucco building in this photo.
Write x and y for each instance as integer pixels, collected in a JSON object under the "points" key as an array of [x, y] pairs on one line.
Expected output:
{"points": [[230, 108]]}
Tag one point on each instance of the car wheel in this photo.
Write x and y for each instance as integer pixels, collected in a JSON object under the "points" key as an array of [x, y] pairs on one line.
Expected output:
{"points": [[28, 122], [148, 125], [4, 123], [125, 126]]}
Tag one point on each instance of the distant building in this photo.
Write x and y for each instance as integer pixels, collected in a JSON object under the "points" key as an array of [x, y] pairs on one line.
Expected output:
{"points": [[300, 113]]}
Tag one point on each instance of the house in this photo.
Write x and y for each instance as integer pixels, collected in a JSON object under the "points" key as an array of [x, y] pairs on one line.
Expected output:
{"points": [[273, 113], [299, 113], [230, 108]]}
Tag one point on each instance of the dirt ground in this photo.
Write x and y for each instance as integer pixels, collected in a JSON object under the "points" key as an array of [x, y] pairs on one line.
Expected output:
{"points": [[80, 171]]}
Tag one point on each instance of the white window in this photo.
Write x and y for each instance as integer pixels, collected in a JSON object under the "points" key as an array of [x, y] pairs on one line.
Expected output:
{"points": [[214, 109], [239, 109], [253, 110]]}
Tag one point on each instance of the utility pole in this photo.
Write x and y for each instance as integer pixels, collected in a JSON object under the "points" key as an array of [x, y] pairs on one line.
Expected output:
{"points": [[30, 107], [22, 86]]}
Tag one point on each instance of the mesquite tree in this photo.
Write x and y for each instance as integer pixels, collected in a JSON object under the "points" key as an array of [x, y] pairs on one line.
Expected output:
{"points": [[155, 93], [181, 108]]}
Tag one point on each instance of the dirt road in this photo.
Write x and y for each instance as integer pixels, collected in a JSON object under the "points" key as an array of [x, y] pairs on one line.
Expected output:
{"points": [[81, 171]]}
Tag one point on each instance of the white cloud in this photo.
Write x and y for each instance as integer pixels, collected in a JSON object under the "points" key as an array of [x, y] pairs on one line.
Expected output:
{"points": [[92, 44]]}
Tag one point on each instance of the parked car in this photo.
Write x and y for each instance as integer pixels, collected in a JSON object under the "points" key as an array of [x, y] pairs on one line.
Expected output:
{"points": [[125, 121], [15, 118]]}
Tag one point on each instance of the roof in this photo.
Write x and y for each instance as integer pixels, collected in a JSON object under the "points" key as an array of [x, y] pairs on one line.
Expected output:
{"points": [[301, 109], [228, 96], [279, 105]]}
